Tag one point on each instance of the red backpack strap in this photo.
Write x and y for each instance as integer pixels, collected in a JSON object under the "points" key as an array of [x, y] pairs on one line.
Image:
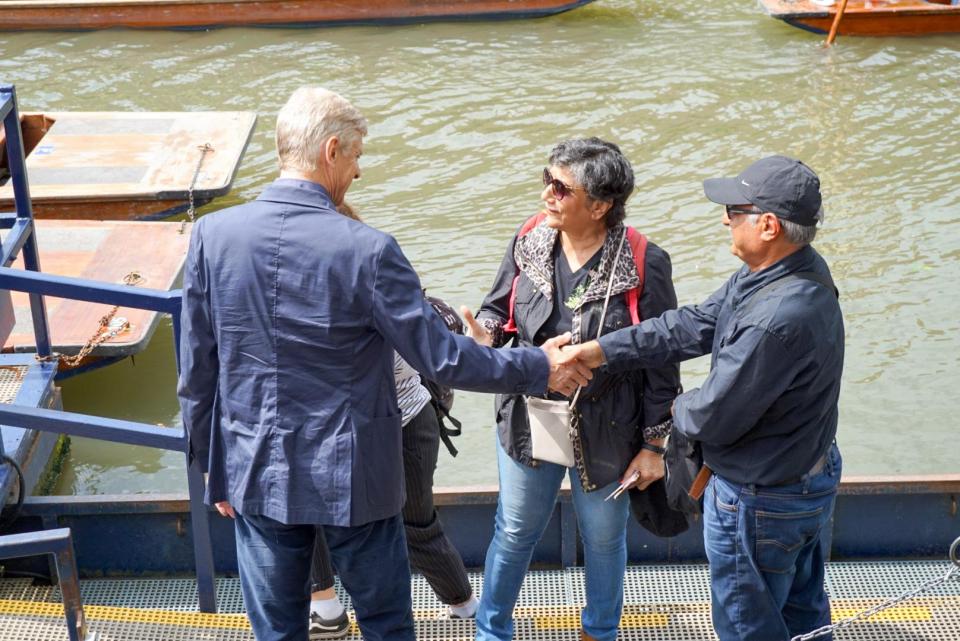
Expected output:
{"points": [[638, 243], [527, 227]]}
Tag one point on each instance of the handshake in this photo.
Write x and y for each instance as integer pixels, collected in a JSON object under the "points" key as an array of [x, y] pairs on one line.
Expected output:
{"points": [[570, 365]]}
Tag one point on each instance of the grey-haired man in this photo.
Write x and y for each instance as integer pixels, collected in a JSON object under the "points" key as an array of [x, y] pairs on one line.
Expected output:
{"points": [[766, 415]]}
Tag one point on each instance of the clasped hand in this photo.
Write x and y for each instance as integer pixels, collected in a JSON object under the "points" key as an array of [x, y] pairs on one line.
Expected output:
{"points": [[569, 366]]}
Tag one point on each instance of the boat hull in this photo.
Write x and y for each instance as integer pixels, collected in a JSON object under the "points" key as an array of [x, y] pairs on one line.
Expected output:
{"points": [[864, 18], [200, 14]]}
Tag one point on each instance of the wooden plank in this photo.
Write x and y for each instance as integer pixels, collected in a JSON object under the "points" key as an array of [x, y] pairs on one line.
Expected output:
{"points": [[177, 159], [89, 158], [104, 251]]}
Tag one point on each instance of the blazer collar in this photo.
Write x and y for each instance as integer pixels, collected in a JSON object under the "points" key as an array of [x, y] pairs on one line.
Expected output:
{"points": [[297, 192]]}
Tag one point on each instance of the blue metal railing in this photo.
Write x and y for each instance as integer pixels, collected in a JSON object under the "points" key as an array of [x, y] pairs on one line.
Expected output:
{"points": [[21, 238], [59, 544]]}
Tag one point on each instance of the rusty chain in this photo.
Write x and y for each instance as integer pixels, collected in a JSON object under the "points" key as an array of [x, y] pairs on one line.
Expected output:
{"points": [[953, 573], [107, 328], [205, 148]]}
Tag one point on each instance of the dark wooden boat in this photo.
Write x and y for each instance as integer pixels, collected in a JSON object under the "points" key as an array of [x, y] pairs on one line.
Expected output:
{"points": [[870, 17], [203, 14], [127, 166]]}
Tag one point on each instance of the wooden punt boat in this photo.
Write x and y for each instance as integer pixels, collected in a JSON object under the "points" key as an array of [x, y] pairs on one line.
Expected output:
{"points": [[203, 14], [127, 166], [871, 17], [104, 251]]}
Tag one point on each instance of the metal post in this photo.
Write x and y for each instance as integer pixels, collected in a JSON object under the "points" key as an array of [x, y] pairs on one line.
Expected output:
{"points": [[58, 543], [202, 545], [16, 161], [175, 317], [70, 592], [199, 515]]}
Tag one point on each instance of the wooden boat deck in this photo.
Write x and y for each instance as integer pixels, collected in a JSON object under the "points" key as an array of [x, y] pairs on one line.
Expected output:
{"points": [[870, 17], [197, 14], [665, 602], [121, 166], [104, 251]]}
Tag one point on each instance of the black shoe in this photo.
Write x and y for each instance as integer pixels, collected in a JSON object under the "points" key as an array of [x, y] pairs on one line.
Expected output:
{"points": [[321, 628]]}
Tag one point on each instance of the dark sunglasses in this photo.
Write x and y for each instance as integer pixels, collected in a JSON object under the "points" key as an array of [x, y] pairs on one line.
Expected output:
{"points": [[732, 210], [560, 189]]}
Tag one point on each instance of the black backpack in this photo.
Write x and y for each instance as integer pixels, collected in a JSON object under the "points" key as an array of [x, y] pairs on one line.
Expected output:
{"points": [[441, 396]]}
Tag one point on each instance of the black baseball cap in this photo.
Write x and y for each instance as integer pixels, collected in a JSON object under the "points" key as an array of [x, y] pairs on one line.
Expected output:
{"points": [[776, 184]]}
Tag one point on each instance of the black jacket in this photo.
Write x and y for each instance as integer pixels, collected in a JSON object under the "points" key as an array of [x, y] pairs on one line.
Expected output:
{"points": [[614, 408], [768, 409]]}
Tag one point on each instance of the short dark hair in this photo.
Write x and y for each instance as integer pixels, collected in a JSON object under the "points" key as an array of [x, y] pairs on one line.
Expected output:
{"points": [[601, 169]]}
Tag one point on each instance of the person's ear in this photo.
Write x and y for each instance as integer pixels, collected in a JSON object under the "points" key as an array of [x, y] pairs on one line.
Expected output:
{"points": [[599, 209], [331, 148], [770, 226]]}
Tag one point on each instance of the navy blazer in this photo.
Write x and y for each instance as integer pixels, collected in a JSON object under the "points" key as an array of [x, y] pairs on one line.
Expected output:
{"points": [[291, 313]]}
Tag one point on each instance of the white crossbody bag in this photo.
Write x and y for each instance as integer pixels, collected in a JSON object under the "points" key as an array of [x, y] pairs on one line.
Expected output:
{"points": [[551, 422]]}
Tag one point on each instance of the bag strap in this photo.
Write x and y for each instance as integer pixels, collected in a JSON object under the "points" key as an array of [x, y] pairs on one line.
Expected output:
{"points": [[528, 226], [606, 302], [638, 243]]}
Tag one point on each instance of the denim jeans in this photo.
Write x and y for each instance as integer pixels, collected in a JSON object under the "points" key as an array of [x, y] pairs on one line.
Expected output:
{"points": [[766, 561], [274, 562], [527, 499]]}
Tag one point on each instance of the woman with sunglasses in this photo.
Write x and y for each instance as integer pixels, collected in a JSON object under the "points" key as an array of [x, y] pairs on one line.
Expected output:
{"points": [[553, 279]]}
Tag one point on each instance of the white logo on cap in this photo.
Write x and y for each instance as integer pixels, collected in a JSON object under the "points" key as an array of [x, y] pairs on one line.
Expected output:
{"points": [[745, 182]]}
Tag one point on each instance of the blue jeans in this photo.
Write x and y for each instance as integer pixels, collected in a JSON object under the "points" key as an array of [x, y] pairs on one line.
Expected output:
{"points": [[274, 562], [766, 561], [527, 499]]}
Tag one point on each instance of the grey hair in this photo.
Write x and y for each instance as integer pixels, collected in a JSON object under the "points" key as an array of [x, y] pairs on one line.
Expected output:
{"points": [[312, 116], [601, 169], [796, 233]]}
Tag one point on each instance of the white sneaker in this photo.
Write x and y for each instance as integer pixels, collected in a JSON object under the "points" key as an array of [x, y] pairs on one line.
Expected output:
{"points": [[321, 628]]}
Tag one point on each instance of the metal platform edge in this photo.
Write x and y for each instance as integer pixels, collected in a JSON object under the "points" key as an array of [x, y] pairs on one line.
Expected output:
{"points": [[876, 518]]}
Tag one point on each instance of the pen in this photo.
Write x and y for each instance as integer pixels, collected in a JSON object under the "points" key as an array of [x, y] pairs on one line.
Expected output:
{"points": [[623, 486]]}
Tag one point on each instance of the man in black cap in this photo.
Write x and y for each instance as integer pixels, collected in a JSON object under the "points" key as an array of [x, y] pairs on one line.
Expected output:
{"points": [[766, 415]]}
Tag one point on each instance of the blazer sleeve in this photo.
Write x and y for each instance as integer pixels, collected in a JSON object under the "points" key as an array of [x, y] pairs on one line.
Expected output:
{"points": [[419, 335], [660, 384], [199, 363]]}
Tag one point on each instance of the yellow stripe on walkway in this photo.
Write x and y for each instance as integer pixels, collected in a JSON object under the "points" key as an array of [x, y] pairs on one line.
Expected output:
{"points": [[568, 618], [898, 613], [130, 615]]}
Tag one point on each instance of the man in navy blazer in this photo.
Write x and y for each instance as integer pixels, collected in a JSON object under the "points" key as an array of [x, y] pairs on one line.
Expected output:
{"points": [[291, 313]]}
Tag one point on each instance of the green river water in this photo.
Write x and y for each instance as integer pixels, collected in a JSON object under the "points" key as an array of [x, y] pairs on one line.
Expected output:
{"points": [[462, 117]]}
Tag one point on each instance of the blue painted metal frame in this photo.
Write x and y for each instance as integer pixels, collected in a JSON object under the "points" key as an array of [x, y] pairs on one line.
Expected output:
{"points": [[22, 239], [877, 518], [59, 544], [21, 236]]}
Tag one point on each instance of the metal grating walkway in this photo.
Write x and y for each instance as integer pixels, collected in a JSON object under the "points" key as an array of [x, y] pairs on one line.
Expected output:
{"points": [[662, 603], [11, 379]]}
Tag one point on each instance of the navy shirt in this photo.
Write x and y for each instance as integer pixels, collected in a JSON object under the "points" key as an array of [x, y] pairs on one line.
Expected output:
{"points": [[291, 314], [768, 408], [567, 283]]}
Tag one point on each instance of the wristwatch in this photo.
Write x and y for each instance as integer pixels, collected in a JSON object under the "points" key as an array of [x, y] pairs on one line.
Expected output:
{"points": [[653, 448]]}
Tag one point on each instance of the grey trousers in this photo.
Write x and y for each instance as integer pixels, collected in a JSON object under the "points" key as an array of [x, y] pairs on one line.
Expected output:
{"points": [[431, 552]]}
